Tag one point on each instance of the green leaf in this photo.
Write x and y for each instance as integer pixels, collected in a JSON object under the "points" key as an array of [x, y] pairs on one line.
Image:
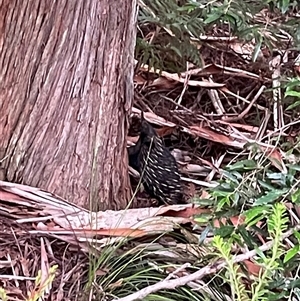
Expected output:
{"points": [[188, 7], [292, 93], [231, 20], [212, 18], [221, 193], [291, 253], [202, 202], [235, 198], [176, 50], [204, 234], [257, 48], [231, 176], [294, 167], [203, 218], [260, 253], [297, 235], [296, 196], [293, 82], [270, 197], [224, 231], [247, 237], [255, 213], [265, 185], [275, 175], [243, 165], [284, 6], [293, 105], [222, 203]]}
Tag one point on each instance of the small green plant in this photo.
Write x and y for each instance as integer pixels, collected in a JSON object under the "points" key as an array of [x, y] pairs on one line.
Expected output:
{"points": [[39, 289], [41, 286], [3, 296], [169, 31], [269, 262], [233, 276], [292, 93]]}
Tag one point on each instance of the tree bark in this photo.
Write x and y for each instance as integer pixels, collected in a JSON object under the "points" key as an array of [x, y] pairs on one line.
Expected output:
{"points": [[66, 90]]}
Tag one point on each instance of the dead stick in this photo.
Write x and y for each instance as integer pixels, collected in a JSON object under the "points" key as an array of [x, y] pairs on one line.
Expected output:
{"points": [[209, 269]]}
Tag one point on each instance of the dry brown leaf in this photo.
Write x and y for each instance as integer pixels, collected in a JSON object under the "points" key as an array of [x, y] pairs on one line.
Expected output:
{"points": [[51, 215], [140, 80], [193, 168], [163, 83], [209, 134], [248, 128], [205, 71], [205, 195], [102, 272], [153, 118], [118, 283], [89, 233], [235, 220], [253, 269], [165, 131], [275, 157], [175, 77]]}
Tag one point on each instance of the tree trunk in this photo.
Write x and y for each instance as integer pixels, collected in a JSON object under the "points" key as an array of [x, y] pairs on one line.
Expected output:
{"points": [[66, 90]]}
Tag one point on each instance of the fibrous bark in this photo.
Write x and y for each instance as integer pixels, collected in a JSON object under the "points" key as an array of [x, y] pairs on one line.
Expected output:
{"points": [[66, 89]]}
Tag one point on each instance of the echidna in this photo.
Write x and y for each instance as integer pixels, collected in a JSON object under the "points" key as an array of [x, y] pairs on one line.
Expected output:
{"points": [[156, 166]]}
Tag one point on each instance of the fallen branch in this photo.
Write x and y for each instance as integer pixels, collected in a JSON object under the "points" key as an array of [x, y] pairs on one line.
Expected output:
{"points": [[210, 269]]}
